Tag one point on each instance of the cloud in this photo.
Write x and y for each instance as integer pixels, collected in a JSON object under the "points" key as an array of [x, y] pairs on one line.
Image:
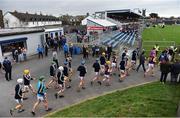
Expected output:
{"points": [[74, 7]]}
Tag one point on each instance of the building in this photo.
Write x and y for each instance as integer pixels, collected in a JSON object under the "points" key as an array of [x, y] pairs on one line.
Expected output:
{"points": [[29, 38], [123, 15], [1, 20], [17, 19]]}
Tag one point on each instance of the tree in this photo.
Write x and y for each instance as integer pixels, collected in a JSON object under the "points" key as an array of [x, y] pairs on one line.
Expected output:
{"points": [[153, 15]]}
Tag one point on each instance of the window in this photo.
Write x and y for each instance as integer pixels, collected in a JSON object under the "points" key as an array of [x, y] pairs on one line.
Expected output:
{"points": [[7, 48]]}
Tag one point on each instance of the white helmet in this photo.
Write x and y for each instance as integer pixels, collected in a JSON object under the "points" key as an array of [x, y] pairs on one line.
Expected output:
{"points": [[20, 81], [61, 68]]}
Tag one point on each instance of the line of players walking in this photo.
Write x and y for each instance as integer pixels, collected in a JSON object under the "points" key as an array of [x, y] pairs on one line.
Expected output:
{"points": [[105, 67]]}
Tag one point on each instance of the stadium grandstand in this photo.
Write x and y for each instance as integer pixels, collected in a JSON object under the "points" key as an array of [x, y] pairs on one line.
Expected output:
{"points": [[126, 22]]}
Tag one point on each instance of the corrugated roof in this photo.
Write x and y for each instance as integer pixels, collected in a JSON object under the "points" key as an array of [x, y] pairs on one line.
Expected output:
{"points": [[17, 31], [33, 17]]}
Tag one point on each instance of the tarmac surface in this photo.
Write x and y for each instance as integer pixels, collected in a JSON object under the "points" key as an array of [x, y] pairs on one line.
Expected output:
{"points": [[40, 67]]}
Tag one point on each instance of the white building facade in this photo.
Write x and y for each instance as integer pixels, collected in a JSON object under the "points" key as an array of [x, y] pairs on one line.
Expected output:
{"points": [[28, 39], [16, 19]]}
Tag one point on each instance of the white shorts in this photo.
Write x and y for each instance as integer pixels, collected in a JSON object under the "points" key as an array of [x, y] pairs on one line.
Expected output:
{"points": [[27, 87], [151, 65], [107, 76], [41, 98], [96, 73], [102, 66], [122, 71], [19, 101], [113, 64], [133, 61], [81, 78]]}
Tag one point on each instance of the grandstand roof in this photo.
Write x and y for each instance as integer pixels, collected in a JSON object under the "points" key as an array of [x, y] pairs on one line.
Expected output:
{"points": [[102, 22], [122, 12]]}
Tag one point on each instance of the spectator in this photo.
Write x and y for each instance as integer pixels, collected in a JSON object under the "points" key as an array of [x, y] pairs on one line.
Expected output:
{"points": [[175, 71], [97, 50], [40, 51], [24, 52], [165, 69], [93, 50], [71, 49], [8, 68], [46, 49], [16, 55], [84, 52], [19, 54], [142, 61], [66, 50], [109, 51], [55, 44]]}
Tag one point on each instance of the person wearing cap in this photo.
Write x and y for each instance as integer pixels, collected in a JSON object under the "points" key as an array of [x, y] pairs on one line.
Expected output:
{"points": [[82, 72], [41, 95], [8, 68], [61, 82], [102, 62], [18, 97], [27, 82], [66, 74], [97, 68], [107, 73], [52, 74]]}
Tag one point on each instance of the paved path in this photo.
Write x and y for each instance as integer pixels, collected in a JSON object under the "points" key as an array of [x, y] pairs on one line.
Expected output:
{"points": [[41, 67]]}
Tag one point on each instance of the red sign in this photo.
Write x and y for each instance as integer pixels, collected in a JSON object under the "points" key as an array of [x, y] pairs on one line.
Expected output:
{"points": [[95, 28]]}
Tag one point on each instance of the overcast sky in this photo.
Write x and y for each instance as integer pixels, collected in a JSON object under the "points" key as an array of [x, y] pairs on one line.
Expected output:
{"points": [[76, 7]]}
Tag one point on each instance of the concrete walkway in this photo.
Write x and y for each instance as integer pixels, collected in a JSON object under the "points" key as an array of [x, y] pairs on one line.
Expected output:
{"points": [[40, 67]]}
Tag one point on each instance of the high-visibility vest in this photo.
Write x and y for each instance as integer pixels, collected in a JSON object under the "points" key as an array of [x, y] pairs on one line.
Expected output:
{"points": [[156, 48], [174, 49]]}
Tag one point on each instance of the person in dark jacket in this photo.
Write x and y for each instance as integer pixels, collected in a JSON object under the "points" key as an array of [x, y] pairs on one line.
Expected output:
{"points": [[16, 55], [109, 51], [71, 49], [142, 61], [18, 97], [61, 83], [46, 49], [97, 68], [66, 74], [8, 69], [175, 71], [93, 50], [102, 62], [165, 69], [52, 74], [82, 72], [84, 52]]}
